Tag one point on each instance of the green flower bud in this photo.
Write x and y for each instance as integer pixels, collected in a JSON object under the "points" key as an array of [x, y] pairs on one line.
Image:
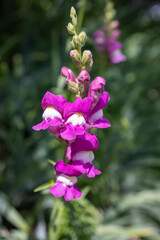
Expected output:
{"points": [[70, 28], [87, 60], [74, 20], [73, 87], [76, 42], [82, 37], [73, 12]]}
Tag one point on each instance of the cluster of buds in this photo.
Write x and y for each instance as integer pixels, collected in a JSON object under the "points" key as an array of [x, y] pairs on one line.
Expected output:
{"points": [[80, 60], [106, 40], [70, 123]]}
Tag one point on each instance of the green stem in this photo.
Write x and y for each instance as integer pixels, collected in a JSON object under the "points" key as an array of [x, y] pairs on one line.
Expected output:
{"points": [[65, 152], [51, 234]]}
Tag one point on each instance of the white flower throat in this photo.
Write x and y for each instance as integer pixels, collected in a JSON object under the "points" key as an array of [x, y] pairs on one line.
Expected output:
{"points": [[76, 119], [66, 180], [85, 156], [51, 112]]}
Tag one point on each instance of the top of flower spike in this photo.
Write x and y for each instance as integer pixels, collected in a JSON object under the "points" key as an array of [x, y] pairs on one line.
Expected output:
{"points": [[85, 60]]}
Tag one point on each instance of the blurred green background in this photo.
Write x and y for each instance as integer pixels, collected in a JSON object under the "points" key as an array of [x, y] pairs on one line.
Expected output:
{"points": [[123, 203]]}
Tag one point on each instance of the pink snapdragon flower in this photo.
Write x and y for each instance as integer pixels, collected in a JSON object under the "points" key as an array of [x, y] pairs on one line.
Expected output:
{"points": [[95, 118], [75, 116], [64, 120], [53, 106], [82, 154], [66, 182], [106, 42]]}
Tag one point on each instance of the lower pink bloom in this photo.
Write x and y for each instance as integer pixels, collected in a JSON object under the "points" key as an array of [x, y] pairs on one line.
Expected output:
{"points": [[66, 187], [66, 181], [82, 154]]}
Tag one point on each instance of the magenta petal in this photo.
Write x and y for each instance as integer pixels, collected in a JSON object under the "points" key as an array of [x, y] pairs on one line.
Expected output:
{"points": [[101, 123], [78, 106], [58, 190], [51, 100], [43, 125], [66, 72], [68, 133], [55, 121], [86, 142], [92, 171], [84, 78], [77, 192], [97, 84], [67, 169], [104, 98], [79, 166], [69, 195], [79, 130]]}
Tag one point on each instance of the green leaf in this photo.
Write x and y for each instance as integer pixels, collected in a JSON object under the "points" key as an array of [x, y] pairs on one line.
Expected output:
{"points": [[51, 162], [12, 215], [44, 186]]}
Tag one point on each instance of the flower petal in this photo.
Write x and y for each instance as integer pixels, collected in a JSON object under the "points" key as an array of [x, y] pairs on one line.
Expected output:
{"points": [[67, 169], [104, 98], [69, 195], [77, 192], [56, 101], [41, 126], [58, 190], [68, 133], [101, 123]]}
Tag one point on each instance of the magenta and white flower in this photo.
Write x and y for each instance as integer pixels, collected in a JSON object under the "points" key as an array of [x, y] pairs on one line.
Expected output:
{"points": [[75, 116], [82, 154], [95, 118], [53, 106], [66, 182]]}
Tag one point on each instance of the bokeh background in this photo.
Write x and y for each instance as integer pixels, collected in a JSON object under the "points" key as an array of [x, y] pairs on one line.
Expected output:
{"points": [[123, 203]]}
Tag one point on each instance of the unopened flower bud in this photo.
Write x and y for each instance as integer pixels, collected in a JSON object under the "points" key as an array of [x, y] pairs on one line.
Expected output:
{"points": [[84, 78], [87, 59], [73, 87], [72, 12], [68, 74], [90, 65], [75, 42], [82, 37], [74, 20], [76, 58], [70, 28], [115, 24]]}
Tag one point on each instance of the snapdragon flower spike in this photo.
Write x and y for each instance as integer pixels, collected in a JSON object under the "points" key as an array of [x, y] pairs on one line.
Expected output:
{"points": [[53, 106], [75, 116], [66, 182], [82, 154], [107, 43], [96, 119]]}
